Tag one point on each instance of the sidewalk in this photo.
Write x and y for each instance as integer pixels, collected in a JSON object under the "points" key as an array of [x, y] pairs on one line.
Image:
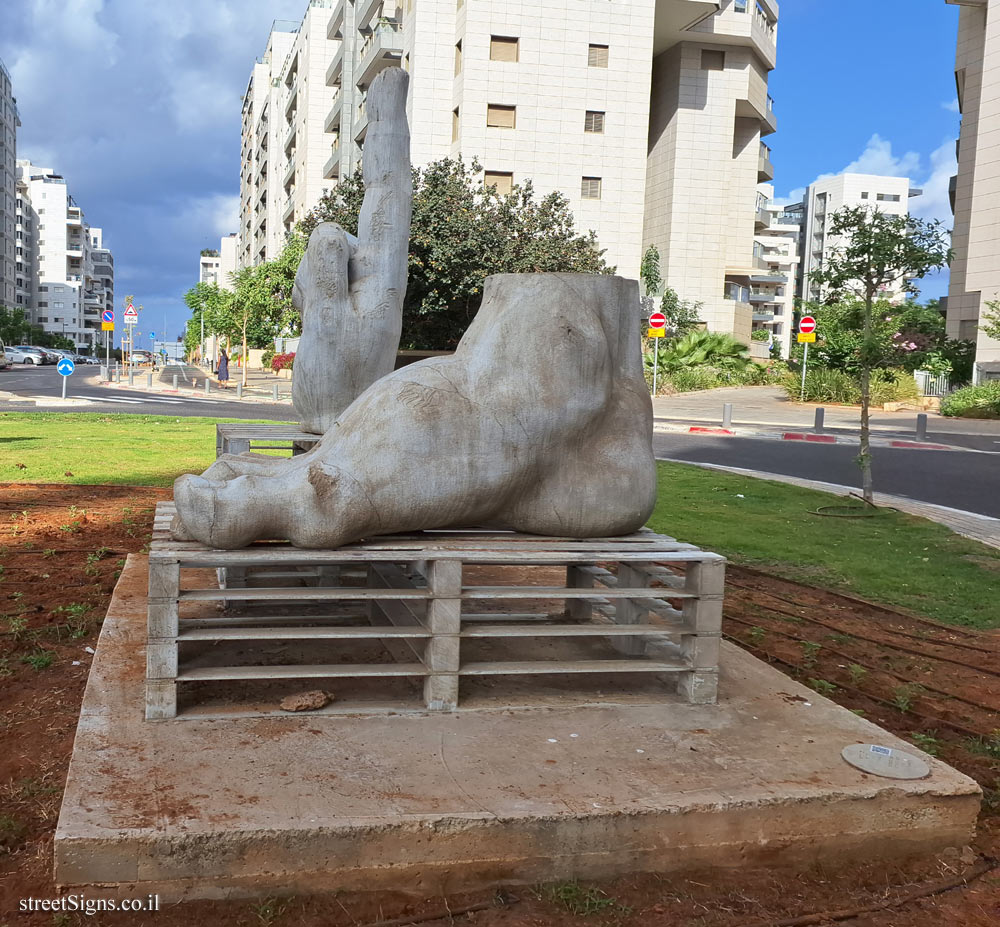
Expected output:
{"points": [[765, 411], [977, 527], [191, 382]]}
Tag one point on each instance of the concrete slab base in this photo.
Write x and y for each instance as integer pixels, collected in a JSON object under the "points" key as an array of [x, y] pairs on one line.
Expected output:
{"points": [[444, 802]]}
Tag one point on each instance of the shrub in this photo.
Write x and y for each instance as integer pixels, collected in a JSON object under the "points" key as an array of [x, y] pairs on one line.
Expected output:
{"points": [[824, 384], [981, 401], [760, 334], [694, 378], [283, 362], [266, 358]]}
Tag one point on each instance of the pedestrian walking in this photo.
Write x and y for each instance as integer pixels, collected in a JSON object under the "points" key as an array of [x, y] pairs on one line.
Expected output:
{"points": [[223, 369]]}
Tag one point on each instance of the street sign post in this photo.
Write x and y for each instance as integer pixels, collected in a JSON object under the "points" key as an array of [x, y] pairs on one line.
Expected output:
{"points": [[66, 368], [657, 329], [107, 325], [807, 335]]}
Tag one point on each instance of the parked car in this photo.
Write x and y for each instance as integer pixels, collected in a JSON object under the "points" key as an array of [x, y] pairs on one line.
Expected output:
{"points": [[49, 355], [25, 354], [4, 362], [142, 358], [85, 359]]}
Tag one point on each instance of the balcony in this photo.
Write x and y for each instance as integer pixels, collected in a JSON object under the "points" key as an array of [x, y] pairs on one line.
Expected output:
{"points": [[289, 172], [361, 121], [759, 316], [363, 12], [763, 296], [336, 68], [765, 170], [770, 119], [293, 96], [288, 210], [384, 47], [332, 166], [332, 123], [762, 215], [289, 139], [773, 277], [334, 29], [737, 293]]}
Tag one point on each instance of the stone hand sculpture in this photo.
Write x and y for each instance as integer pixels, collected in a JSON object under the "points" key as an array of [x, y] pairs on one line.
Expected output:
{"points": [[540, 422], [350, 290]]}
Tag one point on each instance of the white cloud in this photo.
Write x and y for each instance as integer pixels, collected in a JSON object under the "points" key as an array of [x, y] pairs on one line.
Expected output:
{"points": [[951, 106]]}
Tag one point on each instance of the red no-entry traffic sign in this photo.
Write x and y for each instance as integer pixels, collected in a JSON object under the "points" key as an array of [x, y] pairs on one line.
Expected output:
{"points": [[657, 320], [807, 324]]}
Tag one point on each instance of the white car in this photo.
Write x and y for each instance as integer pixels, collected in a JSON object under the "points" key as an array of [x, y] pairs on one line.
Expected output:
{"points": [[4, 362], [23, 354]]}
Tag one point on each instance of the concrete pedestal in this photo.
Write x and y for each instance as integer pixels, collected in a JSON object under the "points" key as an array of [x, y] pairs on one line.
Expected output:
{"points": [[441, 802]]}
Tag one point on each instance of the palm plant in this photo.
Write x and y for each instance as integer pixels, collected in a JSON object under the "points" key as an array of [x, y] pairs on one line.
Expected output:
{"points": [[706, 349]]}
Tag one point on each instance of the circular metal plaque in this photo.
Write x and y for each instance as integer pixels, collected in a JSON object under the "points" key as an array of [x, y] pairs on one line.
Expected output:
{"points": [[884, 761]]}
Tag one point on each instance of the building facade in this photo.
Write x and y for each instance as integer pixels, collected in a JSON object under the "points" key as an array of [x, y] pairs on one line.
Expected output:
{"points": [[646, 114], [66, 275], [975, 190], [822, 199], [9, 122], [771, 293]]}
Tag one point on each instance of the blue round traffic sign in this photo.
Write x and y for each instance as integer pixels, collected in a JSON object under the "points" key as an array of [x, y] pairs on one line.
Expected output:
{"points": [[108, 315], [65, 366]]}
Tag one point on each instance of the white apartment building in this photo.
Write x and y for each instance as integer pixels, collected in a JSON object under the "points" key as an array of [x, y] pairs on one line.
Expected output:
{"points": [[558, 93], [776, 258], [9, 123], [823, 198], [61, 288], [975, 191], [216, 265]]}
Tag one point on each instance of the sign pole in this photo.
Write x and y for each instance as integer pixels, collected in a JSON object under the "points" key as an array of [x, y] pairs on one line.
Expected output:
{"points": [[656, 361], [805, 358], [64, 387]]}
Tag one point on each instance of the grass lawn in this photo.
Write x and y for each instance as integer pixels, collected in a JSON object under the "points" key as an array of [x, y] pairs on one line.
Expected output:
{"points": [[87, 448], [894, 558]]}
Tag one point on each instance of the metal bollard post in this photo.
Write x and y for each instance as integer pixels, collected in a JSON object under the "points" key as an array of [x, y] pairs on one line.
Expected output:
{"points": [[727, 414], [149, 380], [175, 382], [922, 426], [208, 385], [274, 391], [131, 377], [239, 390], [818, 425]]}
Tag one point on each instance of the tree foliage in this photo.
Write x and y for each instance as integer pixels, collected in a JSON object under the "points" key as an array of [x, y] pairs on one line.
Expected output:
{"points": [[463, 231], [706, 349], [15, 328]]}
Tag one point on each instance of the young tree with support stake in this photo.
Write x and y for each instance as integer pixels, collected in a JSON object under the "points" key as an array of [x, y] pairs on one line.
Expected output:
{"points": [[874, 251]]}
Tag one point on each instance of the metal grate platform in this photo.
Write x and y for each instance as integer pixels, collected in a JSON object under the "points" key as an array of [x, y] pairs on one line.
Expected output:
{"points": [[641, 604]]}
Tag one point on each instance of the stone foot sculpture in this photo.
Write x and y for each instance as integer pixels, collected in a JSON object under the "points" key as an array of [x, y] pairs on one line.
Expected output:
{"points": [[350, 290], [540, 422]]}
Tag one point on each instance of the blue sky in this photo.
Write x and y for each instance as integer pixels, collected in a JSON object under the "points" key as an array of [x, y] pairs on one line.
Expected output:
{"points": [[137, 104]]}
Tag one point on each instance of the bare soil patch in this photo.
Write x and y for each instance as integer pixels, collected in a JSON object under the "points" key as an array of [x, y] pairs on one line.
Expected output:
{"points": [[61, 548]]}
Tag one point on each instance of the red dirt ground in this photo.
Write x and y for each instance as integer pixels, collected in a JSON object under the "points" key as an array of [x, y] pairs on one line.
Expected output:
{"points": [[61, 548]]}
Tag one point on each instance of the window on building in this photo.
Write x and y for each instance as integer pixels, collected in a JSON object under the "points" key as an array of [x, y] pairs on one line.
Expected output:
{"points": [[888, 197], [501, 117], [593, 121], [454, 124], [712, 59], [503, 48], [458, 57], [739, 6], [864, 195], [597, 56], [503, 181], [57, 305], [43, 305], [590, 188]]}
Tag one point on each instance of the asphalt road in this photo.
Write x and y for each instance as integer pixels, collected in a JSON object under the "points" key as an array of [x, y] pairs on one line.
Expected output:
{"points": [[29, 382], [960, 479]]}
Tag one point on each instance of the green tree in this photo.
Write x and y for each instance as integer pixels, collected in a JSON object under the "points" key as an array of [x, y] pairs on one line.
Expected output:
{"points": [[463, 231], [683, 315], [649, 271], [873, 250], [991, 319], [208, 302]]}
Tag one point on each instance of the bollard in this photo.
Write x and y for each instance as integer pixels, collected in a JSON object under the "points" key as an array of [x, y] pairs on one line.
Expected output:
{"points": [[818, 425], [208, 385], [239, 390], [274, 391], [922, 426], [727, 414], [131, 377], [149, 380], [175, 382]]}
